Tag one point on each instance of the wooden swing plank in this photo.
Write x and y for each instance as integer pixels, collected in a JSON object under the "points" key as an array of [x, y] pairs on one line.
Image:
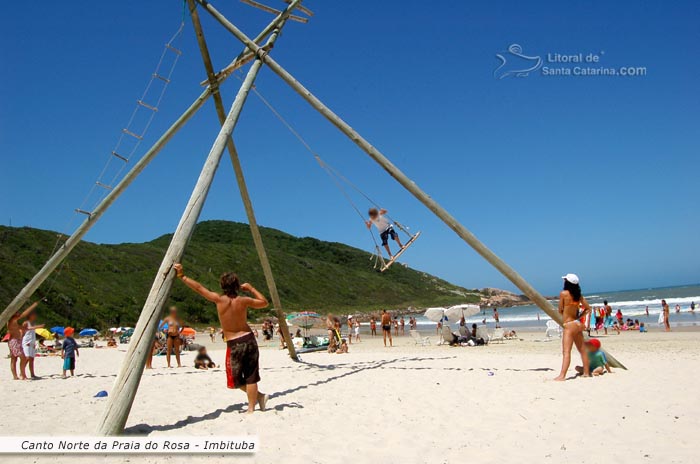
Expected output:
{"points": [[398, 255]]}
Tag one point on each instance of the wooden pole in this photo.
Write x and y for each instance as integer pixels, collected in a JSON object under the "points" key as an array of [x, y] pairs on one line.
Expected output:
{"points": [[397, 174], [238, 169], [124, 391], [128, 178]]}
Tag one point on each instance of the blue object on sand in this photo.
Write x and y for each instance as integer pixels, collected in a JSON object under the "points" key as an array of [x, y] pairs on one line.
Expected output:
{"points": [[88, 333], [491, 374], [101, 394], [57, 330]]}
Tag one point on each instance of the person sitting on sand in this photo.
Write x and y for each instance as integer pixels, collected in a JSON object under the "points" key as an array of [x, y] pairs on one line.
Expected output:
{"points": [[385, 228], [642, 328], [111, 343], [242, 354], [203, 361], [173, 335], [597, 362], [15, 342], [570, 300], [343, 349]]}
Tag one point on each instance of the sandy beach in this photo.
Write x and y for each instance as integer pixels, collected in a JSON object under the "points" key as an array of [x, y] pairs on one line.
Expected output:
{"points": [[403, 404]]}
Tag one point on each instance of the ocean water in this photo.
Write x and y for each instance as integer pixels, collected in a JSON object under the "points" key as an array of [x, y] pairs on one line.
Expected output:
{"points": [[632, 303]]}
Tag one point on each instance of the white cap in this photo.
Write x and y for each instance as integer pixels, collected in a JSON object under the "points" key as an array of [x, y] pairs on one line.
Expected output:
{"points": [[350, 316], [572, 278]]}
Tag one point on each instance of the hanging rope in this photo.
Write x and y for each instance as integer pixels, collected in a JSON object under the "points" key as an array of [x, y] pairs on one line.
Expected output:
{"points": [[332, 172]]}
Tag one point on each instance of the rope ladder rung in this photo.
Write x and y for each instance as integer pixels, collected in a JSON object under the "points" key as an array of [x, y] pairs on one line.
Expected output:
{"points": [[123, 158], [146, 105], [136, 136], [173, 49], [162, 78]]}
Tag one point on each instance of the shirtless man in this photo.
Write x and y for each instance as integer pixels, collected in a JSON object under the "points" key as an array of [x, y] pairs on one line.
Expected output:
{"points": [[173, 334], [15, 343], [242, 356], [386, 327], [570, 301]]}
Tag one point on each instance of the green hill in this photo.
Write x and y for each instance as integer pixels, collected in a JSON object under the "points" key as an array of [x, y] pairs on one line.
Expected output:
{"points": [[105, 285]]}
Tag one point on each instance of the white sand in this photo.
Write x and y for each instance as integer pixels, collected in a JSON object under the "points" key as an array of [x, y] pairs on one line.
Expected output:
{"points": [[406, 404]]}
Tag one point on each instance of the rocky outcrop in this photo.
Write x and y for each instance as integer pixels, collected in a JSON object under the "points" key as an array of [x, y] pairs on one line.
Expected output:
{"points": [[494, 297]]}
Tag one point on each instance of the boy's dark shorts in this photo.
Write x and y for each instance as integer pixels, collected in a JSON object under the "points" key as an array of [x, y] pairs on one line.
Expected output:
{"points": [[386, 234], [242, 358], [69, 364]]}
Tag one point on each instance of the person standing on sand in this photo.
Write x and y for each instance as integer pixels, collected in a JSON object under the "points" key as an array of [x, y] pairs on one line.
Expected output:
{"points": [[402, 323], [386, 327], [173, 335], [15, 342], [608, 320], [373, 326], [242, 355], [570, 300], [396, 326], [357, 331], [350, 324], [666, 311], [496, 318], [29, 341], [332, 338]]}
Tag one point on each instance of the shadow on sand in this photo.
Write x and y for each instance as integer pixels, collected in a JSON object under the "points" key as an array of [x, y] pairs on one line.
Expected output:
{"points": [[344, 370]]}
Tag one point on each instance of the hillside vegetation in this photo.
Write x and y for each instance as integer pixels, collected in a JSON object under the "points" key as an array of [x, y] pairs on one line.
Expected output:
{"points": [[105, 285]]}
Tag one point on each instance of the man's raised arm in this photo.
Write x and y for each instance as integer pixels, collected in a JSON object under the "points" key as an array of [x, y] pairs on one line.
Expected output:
{"points": [[258, 301], [194, 285]]}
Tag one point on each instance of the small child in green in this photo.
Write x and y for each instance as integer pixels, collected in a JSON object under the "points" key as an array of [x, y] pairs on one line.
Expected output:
{"points": [[596, 359], [69, 350]]}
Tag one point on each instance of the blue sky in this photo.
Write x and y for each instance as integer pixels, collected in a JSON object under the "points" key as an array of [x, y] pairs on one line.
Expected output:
{"points": [[596, 175]]}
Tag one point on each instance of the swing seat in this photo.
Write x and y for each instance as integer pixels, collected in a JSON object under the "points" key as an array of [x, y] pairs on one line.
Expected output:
{"points": [[388, 264]]}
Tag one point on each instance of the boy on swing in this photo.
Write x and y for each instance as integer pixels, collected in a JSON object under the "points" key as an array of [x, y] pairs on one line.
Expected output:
{"points": [[385, 228]]}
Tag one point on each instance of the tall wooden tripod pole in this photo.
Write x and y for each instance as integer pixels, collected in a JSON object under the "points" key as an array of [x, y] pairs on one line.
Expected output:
{"points": [[397, 174], [124, 391], [240, 178]]}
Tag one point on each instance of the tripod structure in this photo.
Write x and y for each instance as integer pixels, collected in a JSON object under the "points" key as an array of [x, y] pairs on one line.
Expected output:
{"points": [[256, 50]]}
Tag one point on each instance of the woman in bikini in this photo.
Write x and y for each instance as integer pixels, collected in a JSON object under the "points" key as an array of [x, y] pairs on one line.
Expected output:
{"points": [[173, 335], [570, 302]]}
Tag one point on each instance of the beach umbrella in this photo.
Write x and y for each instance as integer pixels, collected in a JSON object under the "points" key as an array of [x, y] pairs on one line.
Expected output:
{"points": [[304, 319], [115, 330], [57, 330], [454, 313], [88, 333], [44, 334], [434, 314], [188, 332]]}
